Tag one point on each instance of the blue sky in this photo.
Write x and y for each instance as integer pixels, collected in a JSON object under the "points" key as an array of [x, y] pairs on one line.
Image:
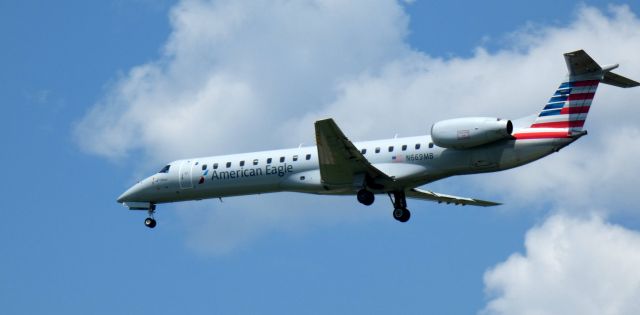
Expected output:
{"points": [[67, 247]]}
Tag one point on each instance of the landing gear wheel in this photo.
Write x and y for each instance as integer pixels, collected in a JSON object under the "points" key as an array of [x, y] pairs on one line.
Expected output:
{"points": [[150, 223], [399, 201], [401, 214], [366, 197]]}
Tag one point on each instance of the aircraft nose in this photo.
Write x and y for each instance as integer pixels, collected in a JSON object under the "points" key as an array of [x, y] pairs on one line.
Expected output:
{"points": [[131, 194]]}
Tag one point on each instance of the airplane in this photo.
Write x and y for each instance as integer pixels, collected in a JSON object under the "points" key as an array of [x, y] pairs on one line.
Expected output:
{"points": [[396, 167]]}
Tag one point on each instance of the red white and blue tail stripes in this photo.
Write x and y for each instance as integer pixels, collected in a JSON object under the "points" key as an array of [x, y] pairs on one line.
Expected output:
{"points": [[565, 113]]}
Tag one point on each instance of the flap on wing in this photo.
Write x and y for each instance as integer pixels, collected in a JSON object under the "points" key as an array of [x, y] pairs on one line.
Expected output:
{"points": [[340, 160], [433, 196]]}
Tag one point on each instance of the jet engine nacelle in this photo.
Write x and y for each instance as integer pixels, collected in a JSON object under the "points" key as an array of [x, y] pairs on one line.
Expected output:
{"points": [[464, 133]]}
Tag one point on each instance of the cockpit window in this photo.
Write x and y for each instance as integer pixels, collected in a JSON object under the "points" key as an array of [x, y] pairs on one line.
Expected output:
{"points": [[165, 169]]}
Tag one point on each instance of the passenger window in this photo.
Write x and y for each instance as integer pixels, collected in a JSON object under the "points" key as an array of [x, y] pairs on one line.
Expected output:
{"points": [[228, 164], [165, 169], [430, 144], [378, 150], [308, 157], [390, 148], [204, 167], [295, 158], [363, 151], [255, 162], [404, 147], [241, 163], [417, 146], [269, 161], [281, 159], [215, 166]]}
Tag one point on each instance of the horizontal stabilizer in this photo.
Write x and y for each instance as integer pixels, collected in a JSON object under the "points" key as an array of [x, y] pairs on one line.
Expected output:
{"points": [[580, 64], [618, 80], [433, 196]]}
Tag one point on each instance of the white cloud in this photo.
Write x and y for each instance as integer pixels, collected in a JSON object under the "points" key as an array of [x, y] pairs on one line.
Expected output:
{"points": [[418, 89], [571, 266], [235, 70], [243, 76]]}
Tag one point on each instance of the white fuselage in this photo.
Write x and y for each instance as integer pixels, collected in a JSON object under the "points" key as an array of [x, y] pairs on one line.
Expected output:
{"points": [[337, 166], [410, 161]]}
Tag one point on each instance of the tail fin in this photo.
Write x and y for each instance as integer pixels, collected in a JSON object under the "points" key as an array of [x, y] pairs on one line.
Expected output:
{"points": [[565, 113]]}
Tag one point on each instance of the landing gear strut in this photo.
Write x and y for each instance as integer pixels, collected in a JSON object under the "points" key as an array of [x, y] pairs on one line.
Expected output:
{"points": [[150, 222], [366, 197], [400, 211]]}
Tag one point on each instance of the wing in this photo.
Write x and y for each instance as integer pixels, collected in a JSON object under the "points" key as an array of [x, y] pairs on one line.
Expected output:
{"points": [[432, 196], [340, 161]]}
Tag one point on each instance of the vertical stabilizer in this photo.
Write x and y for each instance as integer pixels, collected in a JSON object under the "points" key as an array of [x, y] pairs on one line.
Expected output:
{"points": [[565, 113]]}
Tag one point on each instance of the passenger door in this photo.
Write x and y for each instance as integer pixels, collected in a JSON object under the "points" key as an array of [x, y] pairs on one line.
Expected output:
{"points": [[186, 169]]}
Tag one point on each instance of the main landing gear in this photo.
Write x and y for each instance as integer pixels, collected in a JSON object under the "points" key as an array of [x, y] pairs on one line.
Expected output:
{"points": [[400, 211], [366, 197], [150, 222], [398, 199]]}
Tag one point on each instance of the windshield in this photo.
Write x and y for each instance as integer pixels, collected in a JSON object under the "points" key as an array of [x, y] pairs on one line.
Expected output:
{"points": [[165, 169]]}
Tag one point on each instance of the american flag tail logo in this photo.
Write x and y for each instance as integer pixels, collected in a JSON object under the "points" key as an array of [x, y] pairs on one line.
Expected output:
{"points": [[564, 115]]}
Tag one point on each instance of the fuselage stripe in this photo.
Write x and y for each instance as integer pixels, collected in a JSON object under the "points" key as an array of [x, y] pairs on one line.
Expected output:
{"points": [[565, 111], [575, 110], [580, 96], [550, 112], [541, 135], [559, 124], [578, 83], [554, 105], [554, 99]]}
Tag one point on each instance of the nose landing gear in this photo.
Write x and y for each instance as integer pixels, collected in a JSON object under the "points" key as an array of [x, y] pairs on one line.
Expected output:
{"points": [[150, 222]]}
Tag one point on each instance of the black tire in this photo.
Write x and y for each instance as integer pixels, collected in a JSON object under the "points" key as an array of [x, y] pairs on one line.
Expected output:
{"points": [[397, 213], [150, 223], [401, 214], [366, 197], [407, 215]]}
